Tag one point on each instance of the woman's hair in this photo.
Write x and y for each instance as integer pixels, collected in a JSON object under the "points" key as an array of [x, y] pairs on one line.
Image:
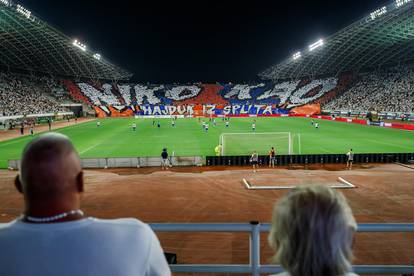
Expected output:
{"points": [[312, 231]]}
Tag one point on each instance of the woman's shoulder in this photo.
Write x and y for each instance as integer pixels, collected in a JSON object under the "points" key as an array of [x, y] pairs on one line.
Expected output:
{"points": [[287, 274]]}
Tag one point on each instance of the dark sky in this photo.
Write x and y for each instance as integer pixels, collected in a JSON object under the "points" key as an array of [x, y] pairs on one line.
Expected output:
{"points": [[208, 41]]}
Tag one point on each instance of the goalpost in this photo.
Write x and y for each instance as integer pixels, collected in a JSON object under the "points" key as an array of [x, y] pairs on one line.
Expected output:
{"points": [[246, 143]]}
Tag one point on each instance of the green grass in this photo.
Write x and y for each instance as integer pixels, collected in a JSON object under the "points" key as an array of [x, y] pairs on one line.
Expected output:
{"points": [[115, 138]]}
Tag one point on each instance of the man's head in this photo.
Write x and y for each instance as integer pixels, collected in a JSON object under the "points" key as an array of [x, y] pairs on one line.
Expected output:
{"points": [[50, 172]]}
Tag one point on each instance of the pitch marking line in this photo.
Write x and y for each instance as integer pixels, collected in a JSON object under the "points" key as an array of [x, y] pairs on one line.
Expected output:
{"points": [[89, 148], [404, 165], [348, 185]]}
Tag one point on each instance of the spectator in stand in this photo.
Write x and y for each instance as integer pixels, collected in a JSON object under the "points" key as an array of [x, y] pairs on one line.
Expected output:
{"points": [[312, 231], [54, 237]]}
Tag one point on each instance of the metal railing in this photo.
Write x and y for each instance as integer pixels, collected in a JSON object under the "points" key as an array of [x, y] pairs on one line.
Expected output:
{"points": [[255, 268]]}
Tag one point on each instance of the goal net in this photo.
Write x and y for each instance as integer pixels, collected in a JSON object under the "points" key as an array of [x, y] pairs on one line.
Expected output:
{"points": [[246, 143]]}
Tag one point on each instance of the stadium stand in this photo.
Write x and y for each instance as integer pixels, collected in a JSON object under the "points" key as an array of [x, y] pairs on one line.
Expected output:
{"points": [[385, 90], [262, 93], [75, 92], [210, 94], [389, 90], [23, 94]]}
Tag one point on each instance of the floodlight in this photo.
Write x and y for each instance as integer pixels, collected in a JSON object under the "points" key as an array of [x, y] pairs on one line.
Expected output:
{"points": [[5, 2], [316, 45], [23, 11], [400, 3], [377, 13], [297, 55], [81, 46], [97, 56]]}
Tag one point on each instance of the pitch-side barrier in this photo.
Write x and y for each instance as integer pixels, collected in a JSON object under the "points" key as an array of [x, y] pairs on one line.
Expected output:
{"points": [[255, 267], [307, 159], [129, 162]]}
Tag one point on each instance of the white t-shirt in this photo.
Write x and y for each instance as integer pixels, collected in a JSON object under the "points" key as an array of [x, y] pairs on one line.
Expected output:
{"points": [[121, 247]]}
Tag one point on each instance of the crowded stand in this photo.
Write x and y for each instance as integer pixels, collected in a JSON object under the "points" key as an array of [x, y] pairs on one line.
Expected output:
{"points": [[295, 93], [384, 90], [99, 97], [22, 95]]}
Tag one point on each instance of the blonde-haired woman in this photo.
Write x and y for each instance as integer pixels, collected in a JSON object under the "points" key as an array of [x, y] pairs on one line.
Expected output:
{"points": [[312, 233]]}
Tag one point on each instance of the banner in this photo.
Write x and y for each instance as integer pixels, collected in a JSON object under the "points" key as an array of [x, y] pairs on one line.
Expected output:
{"points": [[309, 109], [189, 110]]}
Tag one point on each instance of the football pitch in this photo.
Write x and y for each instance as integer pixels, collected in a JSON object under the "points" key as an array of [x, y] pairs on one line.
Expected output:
{"points": [[115, 138]]}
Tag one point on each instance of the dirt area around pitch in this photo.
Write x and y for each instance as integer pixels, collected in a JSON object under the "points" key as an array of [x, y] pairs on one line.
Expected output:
{"points": [[383, 194]]}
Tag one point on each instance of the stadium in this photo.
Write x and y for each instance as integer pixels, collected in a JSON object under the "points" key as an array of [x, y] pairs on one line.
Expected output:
{"points": [[350, 91]]}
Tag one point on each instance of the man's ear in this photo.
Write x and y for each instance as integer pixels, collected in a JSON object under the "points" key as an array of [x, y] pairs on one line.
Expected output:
{"points": [[79, 182], [18, 184]]}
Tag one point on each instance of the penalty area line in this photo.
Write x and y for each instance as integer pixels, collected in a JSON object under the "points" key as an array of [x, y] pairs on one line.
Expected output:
{"points": [[349, 184], [249, 186]]}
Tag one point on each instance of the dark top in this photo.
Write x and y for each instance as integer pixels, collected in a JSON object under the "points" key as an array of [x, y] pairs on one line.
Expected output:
{"points": [[164, 155]]}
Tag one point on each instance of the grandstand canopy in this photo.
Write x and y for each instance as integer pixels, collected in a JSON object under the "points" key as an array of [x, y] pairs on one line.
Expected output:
{"points": [[385, 36], [27, 43]]}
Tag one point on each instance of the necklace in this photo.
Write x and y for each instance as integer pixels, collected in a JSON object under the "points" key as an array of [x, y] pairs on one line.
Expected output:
{"points": [[55, 217]]}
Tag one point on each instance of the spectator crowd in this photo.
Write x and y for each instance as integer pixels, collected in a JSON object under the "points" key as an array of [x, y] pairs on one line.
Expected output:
{"points": [[385, 90], [23, 95], [390, 90]]}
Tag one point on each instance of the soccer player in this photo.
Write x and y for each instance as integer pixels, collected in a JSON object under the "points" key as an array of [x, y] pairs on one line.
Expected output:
{"points": [[31, 131], [214, 122], [254, 126], [173, 123], [254, 159], [158, 124], [134, 126], [164, 159], [206, 127], [312, 122], [98, 124], [272, 157], [227, 123], [316, 125], [350, 160]]}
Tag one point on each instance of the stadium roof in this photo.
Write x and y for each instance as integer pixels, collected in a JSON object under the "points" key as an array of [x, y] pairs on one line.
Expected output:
{"points": [[27, 43], [385, 36]]}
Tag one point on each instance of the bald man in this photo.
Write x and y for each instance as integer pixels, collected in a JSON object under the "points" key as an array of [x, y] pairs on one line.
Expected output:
{"points": [[54, 237]]}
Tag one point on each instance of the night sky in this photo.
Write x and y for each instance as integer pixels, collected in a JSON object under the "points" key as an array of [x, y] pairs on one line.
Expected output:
{"points": [[207, 41]]}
